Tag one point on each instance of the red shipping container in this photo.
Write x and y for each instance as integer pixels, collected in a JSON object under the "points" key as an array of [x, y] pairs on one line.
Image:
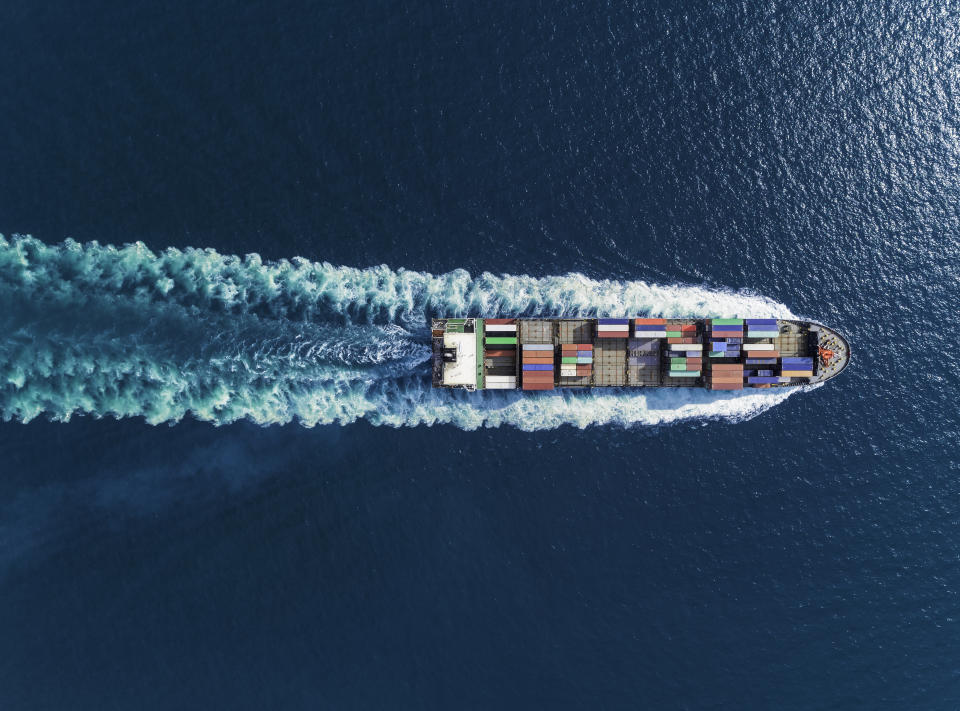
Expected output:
{"points": [[538, 386], [538, 361], [537, 376], [726, 386], [584, 370], [500, 321], [728, 366], [688, 329], [584, 346], [649, 321], [763, 354]]}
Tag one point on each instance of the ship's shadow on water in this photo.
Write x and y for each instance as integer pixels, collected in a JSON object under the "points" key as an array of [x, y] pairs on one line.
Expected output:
{"points": [[136, 475]]}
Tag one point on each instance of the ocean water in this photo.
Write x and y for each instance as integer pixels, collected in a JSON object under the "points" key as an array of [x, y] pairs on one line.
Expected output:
{"points": [[224, 479]]}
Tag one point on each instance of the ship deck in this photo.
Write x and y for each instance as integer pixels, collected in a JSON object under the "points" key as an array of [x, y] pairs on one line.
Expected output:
{"points": [[625, 362]]}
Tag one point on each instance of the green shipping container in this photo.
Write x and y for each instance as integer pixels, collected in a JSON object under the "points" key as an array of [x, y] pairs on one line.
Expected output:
{"points": [[674, 334], [717, 354], [568, 360], [501, 341], [727, 321], [678, 360], [685, 374], [678, 366]]}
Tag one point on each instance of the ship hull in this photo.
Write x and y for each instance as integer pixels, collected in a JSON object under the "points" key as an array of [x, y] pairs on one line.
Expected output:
{"points": [[717, 354]]}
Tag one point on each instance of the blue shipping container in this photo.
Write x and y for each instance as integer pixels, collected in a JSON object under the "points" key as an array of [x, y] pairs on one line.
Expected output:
{"points": [[617, 322], [761, 322], [533, 366], [759, 380]]}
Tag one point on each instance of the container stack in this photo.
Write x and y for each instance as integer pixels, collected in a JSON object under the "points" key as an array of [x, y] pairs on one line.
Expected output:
{"points": [[761, 354], [685, 352], [797, 368], [683, 367], [500, 354], [650, 328], [537, 366], [678, 333], [726, 376], [613, 327], [762, 328], [576, 360], [761, 378], [726, 337]]}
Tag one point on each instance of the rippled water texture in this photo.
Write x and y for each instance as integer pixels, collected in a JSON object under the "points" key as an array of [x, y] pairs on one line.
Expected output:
{"points": [[609, 550]]}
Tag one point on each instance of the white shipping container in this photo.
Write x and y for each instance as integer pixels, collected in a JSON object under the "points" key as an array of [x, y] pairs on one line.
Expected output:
{"points": [[686, 346], [502, 328], [625, 328], [501, 386], [501, 379], [759, 347], [650, 334]]}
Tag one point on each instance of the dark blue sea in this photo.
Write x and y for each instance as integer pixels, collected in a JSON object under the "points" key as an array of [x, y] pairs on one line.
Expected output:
{"points": [[225, 480]]}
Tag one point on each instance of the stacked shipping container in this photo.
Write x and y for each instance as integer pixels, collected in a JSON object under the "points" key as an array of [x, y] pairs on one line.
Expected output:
{"points": [[683, 356], [726, 376], [613, 327], [650, 328], [576, 360], [500, 353], [685, 351], [537, 366], [762, 328], [726, 337], [797, 368]]}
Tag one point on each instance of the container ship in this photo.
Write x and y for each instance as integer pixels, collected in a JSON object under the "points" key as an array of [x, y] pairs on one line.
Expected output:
{"points": [[716, 353]]}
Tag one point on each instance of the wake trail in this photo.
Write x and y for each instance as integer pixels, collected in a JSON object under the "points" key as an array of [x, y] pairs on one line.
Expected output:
{"points": [[127, 332]]}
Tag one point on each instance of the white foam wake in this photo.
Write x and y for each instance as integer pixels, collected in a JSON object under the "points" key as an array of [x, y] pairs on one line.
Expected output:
{"points": [[125, 332]]}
